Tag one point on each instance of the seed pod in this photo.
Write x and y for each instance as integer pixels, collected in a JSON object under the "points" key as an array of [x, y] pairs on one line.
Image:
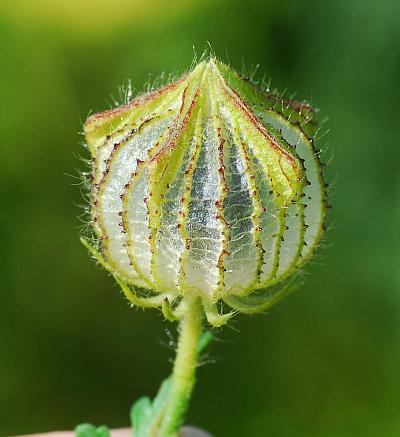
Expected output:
{"points": [[209, 185]]}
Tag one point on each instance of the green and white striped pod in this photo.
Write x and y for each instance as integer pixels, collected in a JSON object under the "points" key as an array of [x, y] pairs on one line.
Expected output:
{"points": [[209, 185]]}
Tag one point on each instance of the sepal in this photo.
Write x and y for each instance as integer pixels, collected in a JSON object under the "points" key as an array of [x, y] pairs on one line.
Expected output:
{"points": [[261, 300]]}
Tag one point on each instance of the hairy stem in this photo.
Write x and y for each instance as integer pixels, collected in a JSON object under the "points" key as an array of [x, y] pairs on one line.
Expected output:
{"points": [[183, 375]]}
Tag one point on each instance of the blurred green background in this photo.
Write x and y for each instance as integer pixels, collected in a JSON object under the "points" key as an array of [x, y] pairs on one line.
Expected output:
{"points": [[325, 362]]}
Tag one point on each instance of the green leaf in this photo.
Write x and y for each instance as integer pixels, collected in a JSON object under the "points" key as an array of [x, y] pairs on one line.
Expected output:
{"points": [[88, 430], [204, 341], [145, 415], [140, 414], [162, 395]]}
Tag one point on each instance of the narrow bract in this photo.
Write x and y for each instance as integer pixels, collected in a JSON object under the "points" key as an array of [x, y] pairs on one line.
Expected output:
{"points": [[208, 186]]}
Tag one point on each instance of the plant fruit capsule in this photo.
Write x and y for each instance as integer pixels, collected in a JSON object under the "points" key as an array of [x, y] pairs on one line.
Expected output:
{"points": [[209, 185]]}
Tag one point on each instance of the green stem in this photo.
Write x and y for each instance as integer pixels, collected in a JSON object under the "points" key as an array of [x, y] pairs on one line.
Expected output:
{"points": [[183, 374]]}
